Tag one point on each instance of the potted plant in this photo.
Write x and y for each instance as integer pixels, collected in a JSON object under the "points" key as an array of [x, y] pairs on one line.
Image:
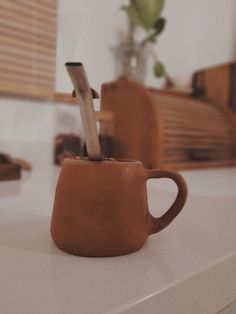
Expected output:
{"points": [[132, 52]]}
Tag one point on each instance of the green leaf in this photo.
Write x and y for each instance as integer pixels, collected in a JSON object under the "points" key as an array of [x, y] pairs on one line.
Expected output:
{"points": [[133, 14], [148, 11], [159, 25], [152, 39], [158, 29], [159, 69]]}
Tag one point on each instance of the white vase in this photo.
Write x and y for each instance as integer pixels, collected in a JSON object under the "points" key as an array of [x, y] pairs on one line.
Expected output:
{"points": [[130, 62]]}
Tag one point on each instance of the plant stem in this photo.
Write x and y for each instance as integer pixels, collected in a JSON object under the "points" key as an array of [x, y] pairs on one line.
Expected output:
{"points": [[148, 38], [153, 54], [131, 33]]}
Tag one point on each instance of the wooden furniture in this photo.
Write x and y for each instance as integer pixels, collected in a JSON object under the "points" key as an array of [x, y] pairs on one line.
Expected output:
{"points": [[10, 172], [66, 145], [65, 98], [165, 131], [28, 48], [70, 99], [10, 168], [217, 84]]}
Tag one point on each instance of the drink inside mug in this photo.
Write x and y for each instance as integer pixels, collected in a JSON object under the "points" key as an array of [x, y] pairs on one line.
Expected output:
{"points": [[100, 207]]}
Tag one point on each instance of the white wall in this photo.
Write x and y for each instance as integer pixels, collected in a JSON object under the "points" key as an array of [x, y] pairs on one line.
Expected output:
{"points": [[27, 128], [198, 34]]}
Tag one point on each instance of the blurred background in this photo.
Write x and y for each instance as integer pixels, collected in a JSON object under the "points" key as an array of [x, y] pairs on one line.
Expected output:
{"points": [[197, 35], [173, 57]]}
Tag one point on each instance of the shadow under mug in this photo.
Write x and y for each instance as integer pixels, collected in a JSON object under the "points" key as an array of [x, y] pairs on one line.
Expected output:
{"points": [[100, 208]]}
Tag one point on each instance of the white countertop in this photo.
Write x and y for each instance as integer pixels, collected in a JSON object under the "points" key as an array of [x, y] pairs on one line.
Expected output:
{"points": [[190, 267]]}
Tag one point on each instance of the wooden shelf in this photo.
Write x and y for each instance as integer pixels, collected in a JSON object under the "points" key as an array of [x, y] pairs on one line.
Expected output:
{"points": [[64, 98]]}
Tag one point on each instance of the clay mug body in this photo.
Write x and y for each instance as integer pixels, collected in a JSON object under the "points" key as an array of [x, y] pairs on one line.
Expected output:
{"points": [[100, 208]]}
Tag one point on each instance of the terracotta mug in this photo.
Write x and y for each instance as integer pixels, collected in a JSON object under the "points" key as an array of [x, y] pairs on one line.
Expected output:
{"points": [[100, 208]]}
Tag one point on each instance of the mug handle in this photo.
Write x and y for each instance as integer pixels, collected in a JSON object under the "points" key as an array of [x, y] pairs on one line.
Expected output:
{"points": [[157, 224]]}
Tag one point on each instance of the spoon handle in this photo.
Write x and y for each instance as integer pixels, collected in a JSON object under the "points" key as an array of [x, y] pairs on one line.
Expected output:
{"points": [[84, 96]]}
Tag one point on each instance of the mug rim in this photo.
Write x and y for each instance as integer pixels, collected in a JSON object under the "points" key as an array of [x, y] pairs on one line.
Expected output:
{"points": [[108, 161]]}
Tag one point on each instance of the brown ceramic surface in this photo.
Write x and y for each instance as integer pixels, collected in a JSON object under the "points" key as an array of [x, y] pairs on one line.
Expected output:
{"points": [[100, 208]]}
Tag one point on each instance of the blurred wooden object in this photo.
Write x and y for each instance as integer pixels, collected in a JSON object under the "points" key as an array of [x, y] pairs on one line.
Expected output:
{"points": [[65, 98], [168, 131], [10, 168], [28, 48], [10, 172], [70, 98], [217, 85], [66, 145]]}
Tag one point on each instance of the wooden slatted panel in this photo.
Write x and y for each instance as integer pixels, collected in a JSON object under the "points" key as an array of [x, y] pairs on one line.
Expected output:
{"points": [[193, 130], [28, 47]]}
